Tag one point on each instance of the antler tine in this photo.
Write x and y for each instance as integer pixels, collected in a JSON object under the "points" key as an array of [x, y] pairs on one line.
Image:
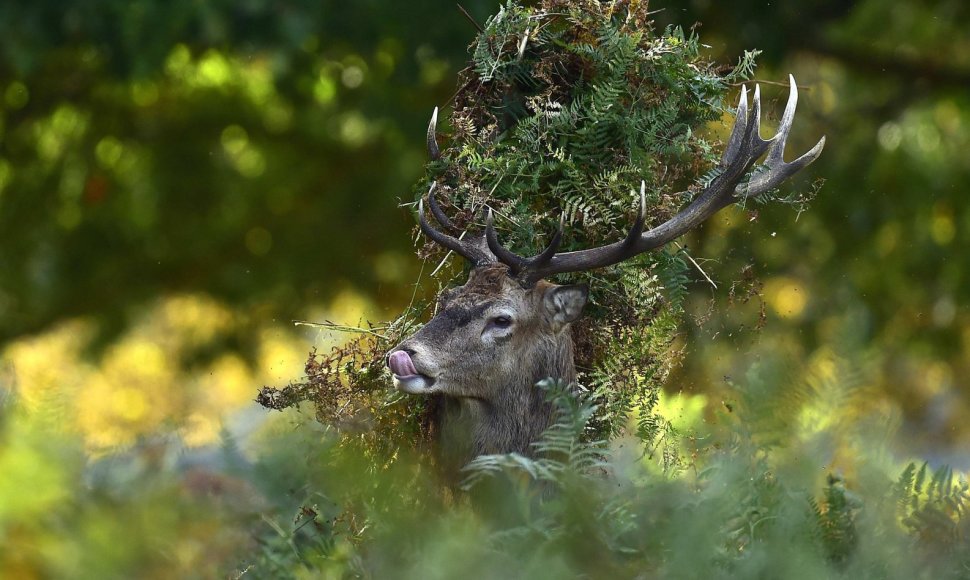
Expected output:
{"points": [[756, 117], [777, 151], [546, 255], [504, 255], [738, 132], [438, 213], [433, 150], [517, 264], [438, 237], [752, 145], [462, 248], [522, 43], [775, 169], [637, 229], [541, 265], [536, 263]]}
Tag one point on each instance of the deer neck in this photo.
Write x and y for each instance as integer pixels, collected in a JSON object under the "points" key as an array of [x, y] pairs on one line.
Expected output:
{"points": [[517, 416]]}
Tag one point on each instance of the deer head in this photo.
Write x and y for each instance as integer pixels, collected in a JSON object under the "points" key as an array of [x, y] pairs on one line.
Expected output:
{"points": [[507, 328], [484, 331]]}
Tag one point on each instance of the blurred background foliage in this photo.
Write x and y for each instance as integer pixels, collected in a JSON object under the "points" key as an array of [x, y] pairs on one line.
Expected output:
{"points": [[181, 180]]}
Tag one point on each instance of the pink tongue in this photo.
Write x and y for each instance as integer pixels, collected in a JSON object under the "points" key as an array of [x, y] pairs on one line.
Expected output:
{"points": [[401, 364]]}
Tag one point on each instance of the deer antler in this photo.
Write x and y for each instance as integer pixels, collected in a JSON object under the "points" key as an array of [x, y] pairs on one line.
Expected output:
{"points": [[744, 148], [432, 140], [776, 170], [471, 250]]}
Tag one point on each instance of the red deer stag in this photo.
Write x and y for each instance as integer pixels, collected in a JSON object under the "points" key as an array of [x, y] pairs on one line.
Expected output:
{"points": [[507, 328]]}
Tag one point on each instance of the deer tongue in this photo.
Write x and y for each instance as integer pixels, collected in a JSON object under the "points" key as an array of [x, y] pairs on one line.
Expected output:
{"points": [[401, 364]]}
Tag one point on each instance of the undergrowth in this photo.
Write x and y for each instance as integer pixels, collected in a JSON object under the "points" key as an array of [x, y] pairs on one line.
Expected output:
{"points": [[562, 110], [753, 497]]}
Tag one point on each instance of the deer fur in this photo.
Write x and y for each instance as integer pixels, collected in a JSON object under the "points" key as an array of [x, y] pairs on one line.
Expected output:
{"points": [[486, 374], [507, 328]]}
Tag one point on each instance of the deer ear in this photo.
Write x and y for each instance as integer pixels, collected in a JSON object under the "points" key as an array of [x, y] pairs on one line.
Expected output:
{"points": [[564, 304]]}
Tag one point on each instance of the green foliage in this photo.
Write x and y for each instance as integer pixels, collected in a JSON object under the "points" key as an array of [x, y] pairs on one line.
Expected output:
{"points": [[585, 509], [884, 217], [564, 449], [737, 494], [563, 111], [836, 517], [186, 147], [124, 176], [933, 505]]}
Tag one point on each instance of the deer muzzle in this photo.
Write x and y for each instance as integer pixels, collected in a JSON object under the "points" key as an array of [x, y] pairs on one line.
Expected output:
{"points": [[406, 375]]}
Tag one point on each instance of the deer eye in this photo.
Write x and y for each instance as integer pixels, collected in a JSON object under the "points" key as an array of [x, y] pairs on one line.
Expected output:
{"points": [[501, 322]]}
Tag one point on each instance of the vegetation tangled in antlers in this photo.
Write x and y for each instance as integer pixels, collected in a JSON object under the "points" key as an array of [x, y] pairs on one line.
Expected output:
{"points": [[563, 112]]}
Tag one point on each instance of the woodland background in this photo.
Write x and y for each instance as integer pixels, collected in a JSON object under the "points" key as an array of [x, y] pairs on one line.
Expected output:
{"points": [[179, 181]]}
